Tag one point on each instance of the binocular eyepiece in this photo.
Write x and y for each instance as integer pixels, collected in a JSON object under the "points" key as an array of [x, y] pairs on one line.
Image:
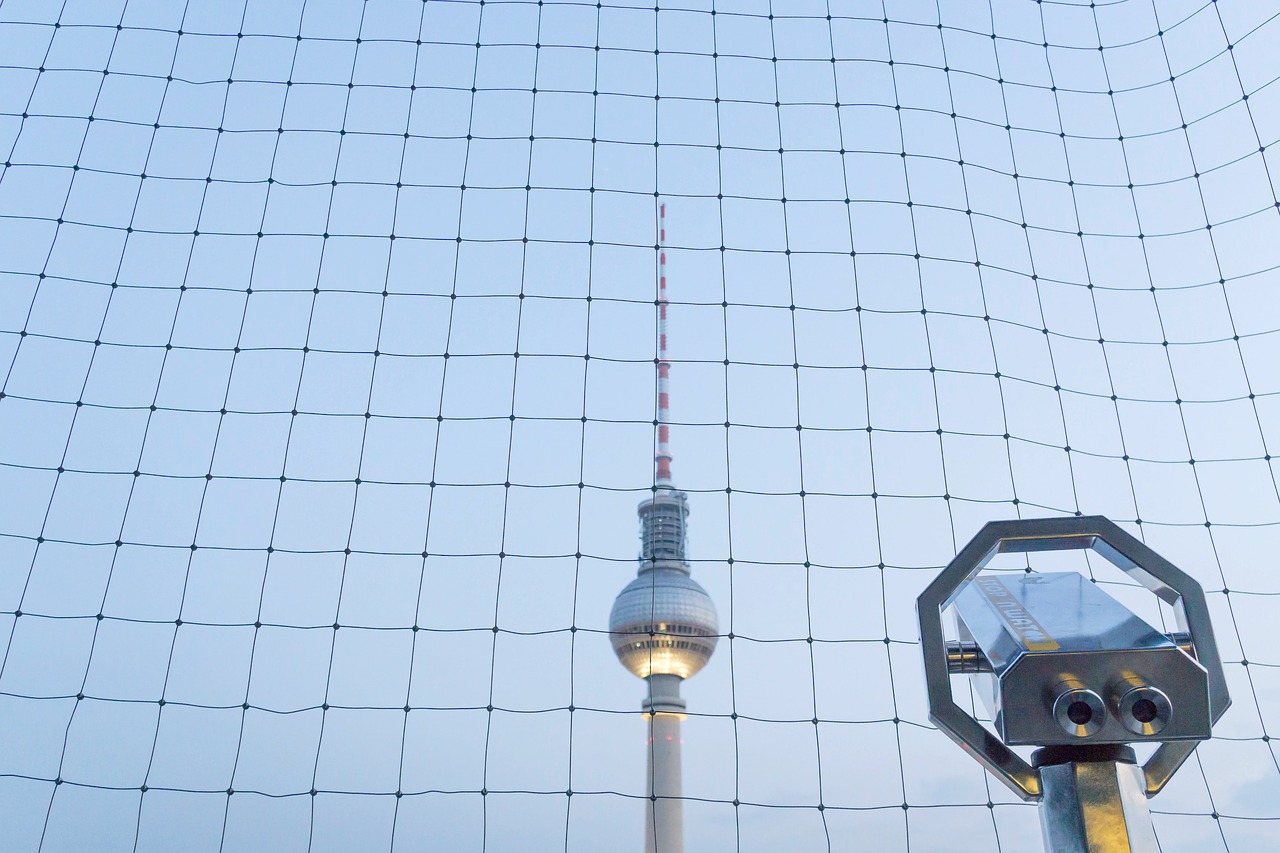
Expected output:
{"points": [[1078, 710], [1140, 708]]}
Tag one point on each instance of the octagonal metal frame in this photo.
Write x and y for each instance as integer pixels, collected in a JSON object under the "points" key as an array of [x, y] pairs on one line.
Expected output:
{"points": [[1119, 548]]}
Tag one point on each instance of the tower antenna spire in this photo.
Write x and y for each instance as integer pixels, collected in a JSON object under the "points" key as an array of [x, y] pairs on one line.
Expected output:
{"points": [[662, 460]]}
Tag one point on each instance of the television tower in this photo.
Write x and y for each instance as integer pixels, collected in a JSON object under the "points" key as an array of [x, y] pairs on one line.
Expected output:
{"points": [[663, 625]]}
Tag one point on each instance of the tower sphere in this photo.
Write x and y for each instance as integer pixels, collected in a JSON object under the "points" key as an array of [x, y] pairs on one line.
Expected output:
{"points": [[663, 623]]}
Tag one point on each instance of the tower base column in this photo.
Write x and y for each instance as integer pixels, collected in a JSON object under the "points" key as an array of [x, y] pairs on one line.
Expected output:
{"points": [[664, 811]]}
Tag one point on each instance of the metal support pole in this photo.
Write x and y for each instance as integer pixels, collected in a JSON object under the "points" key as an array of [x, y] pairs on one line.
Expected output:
{"points": [[1095, 801]]}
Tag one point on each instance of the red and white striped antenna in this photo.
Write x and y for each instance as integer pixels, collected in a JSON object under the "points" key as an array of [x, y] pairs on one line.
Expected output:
{"points": [[662, 460]]}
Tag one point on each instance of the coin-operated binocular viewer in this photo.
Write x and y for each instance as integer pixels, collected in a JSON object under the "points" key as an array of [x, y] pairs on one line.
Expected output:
{"points": [[1065, 667]]}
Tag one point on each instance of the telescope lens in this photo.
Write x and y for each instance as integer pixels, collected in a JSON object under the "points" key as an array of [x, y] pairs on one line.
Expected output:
{"points": [[1144, 710], [1080, 713], [1078, 710]]}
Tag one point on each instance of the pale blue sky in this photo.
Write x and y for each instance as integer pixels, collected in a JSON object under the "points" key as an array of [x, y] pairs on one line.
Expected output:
{"points": [[993, 247]]}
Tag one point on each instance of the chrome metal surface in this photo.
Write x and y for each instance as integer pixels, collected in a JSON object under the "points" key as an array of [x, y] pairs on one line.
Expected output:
{"points": [[1119, 548], [966, 658], [1038, 630], [1095, 807], [1078, 710], [1182, 640], [1144, 710]]}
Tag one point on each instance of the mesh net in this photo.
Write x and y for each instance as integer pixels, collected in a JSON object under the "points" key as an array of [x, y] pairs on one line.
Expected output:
{"points": [[328, 354]]}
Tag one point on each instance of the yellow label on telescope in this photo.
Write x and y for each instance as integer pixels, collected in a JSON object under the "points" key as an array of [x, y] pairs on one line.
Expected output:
{"points": [[1015, 616]]}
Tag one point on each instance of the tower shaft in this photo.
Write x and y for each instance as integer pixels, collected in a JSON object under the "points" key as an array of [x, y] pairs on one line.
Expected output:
{"points": [[664, 810]]}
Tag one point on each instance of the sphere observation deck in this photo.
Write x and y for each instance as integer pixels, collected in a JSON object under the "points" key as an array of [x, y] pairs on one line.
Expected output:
{"points": [[663, 622]]}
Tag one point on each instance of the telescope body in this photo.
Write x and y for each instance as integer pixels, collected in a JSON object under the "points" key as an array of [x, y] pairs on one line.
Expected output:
{"points": [[1060, 662]]}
